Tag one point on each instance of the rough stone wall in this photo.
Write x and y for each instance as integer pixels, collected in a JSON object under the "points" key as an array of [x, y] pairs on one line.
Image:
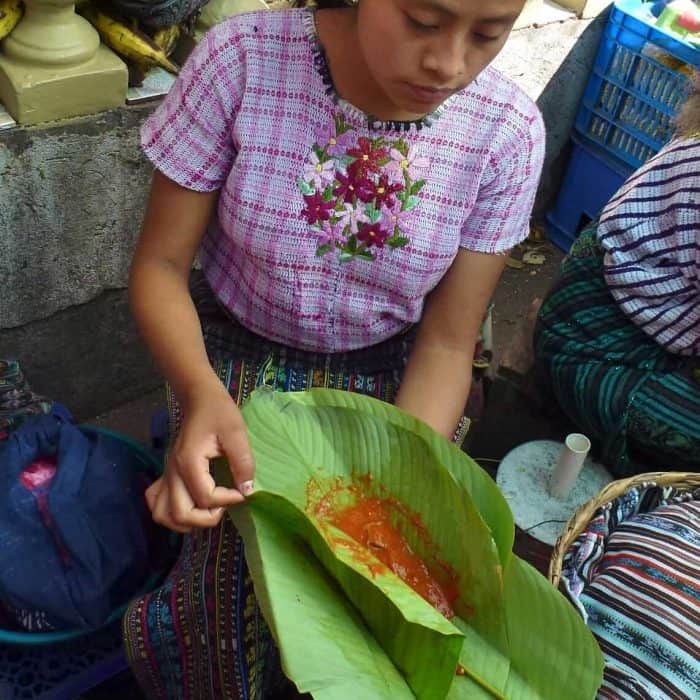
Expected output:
{"points": [[72, 196], [71, 203]]}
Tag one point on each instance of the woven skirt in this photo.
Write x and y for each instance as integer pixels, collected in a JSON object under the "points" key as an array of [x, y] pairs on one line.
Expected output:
{"points": [[639, 403], [201, 634]]}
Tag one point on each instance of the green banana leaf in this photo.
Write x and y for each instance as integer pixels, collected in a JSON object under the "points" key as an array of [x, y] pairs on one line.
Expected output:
{"points": [[345, 629]]}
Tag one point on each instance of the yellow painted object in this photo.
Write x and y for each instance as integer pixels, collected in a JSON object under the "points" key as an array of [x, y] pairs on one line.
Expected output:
{"points": [[11, 12], [131, 44], [166, 38]]}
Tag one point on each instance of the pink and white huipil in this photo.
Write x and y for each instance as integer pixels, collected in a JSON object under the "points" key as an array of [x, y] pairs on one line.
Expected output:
{"points": [[332, 227]]}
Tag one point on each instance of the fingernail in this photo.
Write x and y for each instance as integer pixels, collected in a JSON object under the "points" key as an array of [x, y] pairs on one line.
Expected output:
{"points": [[247, 488]]}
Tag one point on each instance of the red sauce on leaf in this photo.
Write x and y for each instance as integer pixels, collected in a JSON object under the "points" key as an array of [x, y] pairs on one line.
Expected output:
{"points": [[367, 520]]}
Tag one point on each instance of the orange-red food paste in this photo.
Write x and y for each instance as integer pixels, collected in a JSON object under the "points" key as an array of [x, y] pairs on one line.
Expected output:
{"points": [[368, 522]]}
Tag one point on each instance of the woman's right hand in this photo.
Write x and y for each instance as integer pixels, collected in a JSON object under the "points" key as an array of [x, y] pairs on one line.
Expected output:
{"points": [[186, 496]]}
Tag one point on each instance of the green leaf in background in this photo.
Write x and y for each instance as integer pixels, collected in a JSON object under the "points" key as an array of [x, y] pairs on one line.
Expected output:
{"points": [[474, 480], [340, 126], [295, 444], [553, 653], [411, 203], [402, 147], [373, 214], [398, 241], [417, 186], [368, 635]]}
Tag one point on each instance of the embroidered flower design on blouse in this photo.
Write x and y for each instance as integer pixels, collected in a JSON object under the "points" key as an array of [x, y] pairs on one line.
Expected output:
{"points": [[361, 194]]}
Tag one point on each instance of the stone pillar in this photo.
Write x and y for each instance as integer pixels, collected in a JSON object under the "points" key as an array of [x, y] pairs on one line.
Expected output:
{"points": [[53, 66]]}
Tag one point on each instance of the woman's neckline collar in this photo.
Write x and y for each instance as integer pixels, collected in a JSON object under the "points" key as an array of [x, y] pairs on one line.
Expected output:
{"points": [[355, 114]]}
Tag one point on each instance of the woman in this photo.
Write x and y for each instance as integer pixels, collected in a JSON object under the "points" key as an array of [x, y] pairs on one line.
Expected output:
{"points": [[618, 337], [333, 169]]}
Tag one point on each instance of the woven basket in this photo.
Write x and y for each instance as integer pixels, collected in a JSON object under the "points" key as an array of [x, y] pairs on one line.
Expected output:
{"points": [[682, 481]]}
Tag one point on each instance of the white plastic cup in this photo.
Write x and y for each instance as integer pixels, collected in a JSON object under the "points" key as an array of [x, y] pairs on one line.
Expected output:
{"points": [[573, 455]]}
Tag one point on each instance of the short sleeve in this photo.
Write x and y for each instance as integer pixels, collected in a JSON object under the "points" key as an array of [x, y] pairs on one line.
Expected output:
{"points": [[189, 136], [500, 217]]}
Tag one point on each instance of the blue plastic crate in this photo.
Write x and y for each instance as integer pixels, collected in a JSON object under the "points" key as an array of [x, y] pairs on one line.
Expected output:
{"points": [[638, 83], [592, 177]]}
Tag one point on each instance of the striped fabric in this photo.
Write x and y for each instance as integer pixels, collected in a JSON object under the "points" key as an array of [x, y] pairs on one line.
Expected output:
{"points": [[638, 402], [307, 181], [650, 231], [201, 634], [635, 576]]}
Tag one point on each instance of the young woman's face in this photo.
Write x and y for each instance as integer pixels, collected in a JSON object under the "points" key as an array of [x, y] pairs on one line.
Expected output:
{"points": [[420, 52]]}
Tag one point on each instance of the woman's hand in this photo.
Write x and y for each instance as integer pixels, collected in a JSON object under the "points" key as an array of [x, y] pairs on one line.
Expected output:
{"points": [[186, 496]]}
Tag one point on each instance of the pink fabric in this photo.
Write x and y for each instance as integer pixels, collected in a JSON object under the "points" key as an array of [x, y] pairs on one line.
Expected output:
{"points": [[302, 174]]}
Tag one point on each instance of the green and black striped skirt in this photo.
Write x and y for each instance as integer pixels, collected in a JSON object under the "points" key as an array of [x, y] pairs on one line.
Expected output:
{"points": [[639, 403]]}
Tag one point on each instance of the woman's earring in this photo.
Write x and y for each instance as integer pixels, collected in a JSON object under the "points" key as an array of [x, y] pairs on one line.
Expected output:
{"points": [[352, 3]]}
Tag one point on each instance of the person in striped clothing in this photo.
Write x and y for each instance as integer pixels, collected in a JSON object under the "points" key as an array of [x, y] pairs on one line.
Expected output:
{"points": [[633, 575], [617, 339]]}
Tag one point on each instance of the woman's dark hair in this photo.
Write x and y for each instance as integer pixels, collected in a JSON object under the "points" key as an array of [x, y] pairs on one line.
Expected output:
{"points": [[688, 121]]}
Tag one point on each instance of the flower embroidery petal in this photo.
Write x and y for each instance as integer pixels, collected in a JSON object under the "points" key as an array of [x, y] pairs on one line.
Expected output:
{"points": [[366, 190], [316, 209], [417, 164], [412, 164], [386, 191], [360, 194], [339, 144], [317, 172], [345, 186], [367, 156], [396, 218], [352, 216], [330, 234], [373, 235]]}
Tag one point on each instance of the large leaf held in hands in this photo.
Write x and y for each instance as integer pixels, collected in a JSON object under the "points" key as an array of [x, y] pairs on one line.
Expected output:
{"points": [[347, 628]]}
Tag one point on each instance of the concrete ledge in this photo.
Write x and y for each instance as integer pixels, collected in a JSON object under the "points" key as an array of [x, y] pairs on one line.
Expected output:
{"points": [[586, 8], [71, 203], [537, 13]]}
